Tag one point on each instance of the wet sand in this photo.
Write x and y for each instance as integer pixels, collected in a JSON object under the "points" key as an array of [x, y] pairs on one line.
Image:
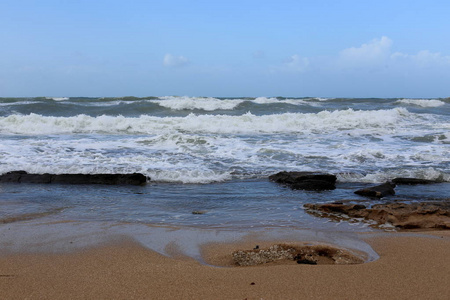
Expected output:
{"points": [[409, 267]]}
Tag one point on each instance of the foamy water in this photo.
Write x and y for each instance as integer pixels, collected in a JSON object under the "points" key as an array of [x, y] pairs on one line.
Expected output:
{"points": [[202, 140]]}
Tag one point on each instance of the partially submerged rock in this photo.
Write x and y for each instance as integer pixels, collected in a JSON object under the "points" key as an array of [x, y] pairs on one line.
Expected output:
{"points": [[310, 181], [307, 254], [412, 181], [348, 209], [378, 191], [111, 179], [426, 215]]}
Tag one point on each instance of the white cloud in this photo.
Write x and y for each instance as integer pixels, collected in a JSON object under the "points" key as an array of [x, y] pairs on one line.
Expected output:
{"points": [[423, 58], [375, 52], [174, 61]]}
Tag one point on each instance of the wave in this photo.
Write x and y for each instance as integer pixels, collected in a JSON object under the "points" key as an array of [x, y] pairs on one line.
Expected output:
{"points": [[264, 100], [57, 98], [189, 176], [324, 121], [387, 175], [188, 103], [212, 104], [422, 102], [18, 103]]}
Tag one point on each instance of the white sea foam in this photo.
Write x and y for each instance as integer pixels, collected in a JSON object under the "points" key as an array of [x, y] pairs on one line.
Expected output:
{"points": [[212, 104], [100, 104], [191, 103], [184, 175], [377, 144], [264, 100], [422, 102], [18, 103], [57, 98], [386, 175], [324, 121], [321, 99]]}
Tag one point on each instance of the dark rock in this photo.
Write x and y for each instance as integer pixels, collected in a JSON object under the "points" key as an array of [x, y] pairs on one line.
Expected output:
{"points": [[313, 185], [110, 179], [425, 215], [412, 181], [36, 178], [310, 181], [134, 179], [378, 191], [13, 176]]}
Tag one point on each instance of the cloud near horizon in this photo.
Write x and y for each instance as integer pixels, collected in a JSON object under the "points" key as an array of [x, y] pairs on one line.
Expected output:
{"points": [[376, 54], [174, 61]]}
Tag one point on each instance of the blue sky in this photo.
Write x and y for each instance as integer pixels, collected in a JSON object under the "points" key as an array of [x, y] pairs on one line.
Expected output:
{"points": [[225, 48]]}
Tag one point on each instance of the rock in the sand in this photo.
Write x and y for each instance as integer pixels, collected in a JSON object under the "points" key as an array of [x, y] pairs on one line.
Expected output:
{"points": [[425, 215], [378, 191], [412, 181], [110, 179], [302, 254], [310, 181]]}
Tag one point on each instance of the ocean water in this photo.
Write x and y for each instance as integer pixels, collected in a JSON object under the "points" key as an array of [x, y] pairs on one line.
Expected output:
{"points": [[213, 155]]}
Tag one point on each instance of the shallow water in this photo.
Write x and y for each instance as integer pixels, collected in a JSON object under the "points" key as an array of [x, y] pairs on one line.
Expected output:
{"points": [[232, 205]]}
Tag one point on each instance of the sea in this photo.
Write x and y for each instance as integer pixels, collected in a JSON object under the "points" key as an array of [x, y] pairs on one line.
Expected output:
{"points": [[208, 160]]}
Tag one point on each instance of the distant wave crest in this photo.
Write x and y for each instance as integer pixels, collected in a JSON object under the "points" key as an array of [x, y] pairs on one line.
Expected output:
{"points": [[206, 104], [422, 102]]}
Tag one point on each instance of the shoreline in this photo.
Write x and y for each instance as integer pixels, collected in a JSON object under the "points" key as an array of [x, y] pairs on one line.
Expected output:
{"points": [[411, 266]]}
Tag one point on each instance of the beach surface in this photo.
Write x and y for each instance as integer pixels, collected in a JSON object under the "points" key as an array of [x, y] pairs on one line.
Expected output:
{"points": [[411, 266]]}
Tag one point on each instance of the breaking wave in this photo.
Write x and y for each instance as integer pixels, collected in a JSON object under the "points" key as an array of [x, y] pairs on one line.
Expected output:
{"points": [[206, 104], [212, 104], [422, 102], [324, 121]]}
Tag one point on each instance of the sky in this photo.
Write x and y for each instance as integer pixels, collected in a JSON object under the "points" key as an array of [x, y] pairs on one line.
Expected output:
{"points": [[225, 48]]}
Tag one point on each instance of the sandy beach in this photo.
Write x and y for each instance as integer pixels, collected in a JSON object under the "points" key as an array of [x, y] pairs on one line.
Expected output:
{"points": [[415, 266]]}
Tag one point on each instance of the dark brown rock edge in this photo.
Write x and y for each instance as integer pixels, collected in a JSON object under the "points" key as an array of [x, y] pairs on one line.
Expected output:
{"points": [[378, 191], [312, 255], [425, 215], [310, 181], [110, 179]]}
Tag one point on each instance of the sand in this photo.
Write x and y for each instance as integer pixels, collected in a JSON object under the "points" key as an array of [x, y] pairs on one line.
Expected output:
{"points": [[409, 267]]}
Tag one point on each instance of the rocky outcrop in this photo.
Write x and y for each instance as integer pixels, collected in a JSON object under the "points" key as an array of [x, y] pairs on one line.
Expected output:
{"points": [[426, 215], [378, 191], [311, 255], [110, 179], [310, 181], [412, 181]]}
